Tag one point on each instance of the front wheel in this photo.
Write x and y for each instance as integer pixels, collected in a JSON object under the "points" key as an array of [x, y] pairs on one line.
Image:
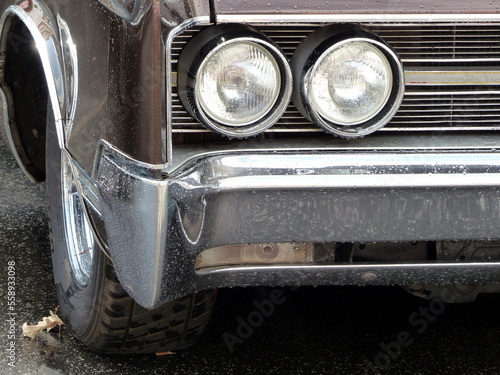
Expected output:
{"points": [[92, 302]]}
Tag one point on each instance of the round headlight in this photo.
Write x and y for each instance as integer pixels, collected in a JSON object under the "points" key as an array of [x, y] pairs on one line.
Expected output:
{"points": [[238, 83], [234, 80], [351, 83]]}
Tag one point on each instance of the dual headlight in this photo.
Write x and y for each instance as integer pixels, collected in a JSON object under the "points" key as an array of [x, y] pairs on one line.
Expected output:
{"points": [[238, 83], [234, 81]]}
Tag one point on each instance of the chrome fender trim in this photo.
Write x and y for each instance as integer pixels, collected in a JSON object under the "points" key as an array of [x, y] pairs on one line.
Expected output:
{"points": [[43, 29]]}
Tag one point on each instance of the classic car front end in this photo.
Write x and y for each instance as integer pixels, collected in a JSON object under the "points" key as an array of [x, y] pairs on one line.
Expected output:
{"points": [[196, 145]]}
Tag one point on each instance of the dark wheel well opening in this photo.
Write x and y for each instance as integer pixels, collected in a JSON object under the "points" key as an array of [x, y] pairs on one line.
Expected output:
{"points": [[25, 87]]}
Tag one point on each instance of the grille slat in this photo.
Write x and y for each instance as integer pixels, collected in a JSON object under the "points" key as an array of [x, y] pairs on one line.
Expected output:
{"points": [[424, 108]]}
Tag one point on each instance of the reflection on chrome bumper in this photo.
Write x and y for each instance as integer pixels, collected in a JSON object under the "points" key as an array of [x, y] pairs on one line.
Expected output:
{"points": [[157, 225]]}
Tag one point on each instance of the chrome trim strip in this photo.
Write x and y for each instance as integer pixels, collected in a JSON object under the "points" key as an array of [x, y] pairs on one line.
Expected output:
{"points": [[47, 42], [431, 128], [440, 144], [431, 93], [71, 77], [386, 181], [360, 170], [452, 77], [168, 72], [458, 268], [353, 170], [375, 18], [438, 60], [390, 129]]}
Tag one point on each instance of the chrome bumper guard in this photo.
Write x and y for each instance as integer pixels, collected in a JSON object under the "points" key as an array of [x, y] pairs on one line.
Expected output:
{"points": [[157, 224]]}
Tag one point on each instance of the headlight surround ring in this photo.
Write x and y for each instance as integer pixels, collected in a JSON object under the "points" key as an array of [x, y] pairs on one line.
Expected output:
{"points": [[315, 49], [198, 57]]}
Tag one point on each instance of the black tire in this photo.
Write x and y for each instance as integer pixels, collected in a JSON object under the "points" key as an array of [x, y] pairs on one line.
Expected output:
{"points": [[100, 313]]}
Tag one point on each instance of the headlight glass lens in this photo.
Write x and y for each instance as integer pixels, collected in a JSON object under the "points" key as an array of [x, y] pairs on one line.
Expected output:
{"points": [[238, 83], [350, 83]]}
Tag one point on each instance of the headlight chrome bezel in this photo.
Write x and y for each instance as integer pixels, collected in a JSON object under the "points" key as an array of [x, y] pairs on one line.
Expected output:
{"points": [[195, 56], [313, 49]]}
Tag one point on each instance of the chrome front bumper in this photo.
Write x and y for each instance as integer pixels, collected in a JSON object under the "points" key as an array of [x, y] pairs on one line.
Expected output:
{"points": [[157, 223]]}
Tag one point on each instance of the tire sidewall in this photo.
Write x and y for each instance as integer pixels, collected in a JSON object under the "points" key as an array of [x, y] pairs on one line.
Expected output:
{"points": [[78, 304]]}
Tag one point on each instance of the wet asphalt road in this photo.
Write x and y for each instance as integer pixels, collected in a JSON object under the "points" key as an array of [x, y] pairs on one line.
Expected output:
{"points": [[324, 330]]}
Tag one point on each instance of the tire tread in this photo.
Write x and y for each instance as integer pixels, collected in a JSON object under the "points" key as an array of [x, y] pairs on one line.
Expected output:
{"points": [[173, 326]]}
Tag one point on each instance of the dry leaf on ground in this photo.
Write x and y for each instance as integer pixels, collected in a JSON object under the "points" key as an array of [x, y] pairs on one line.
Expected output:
{"points": [[46, 324]]}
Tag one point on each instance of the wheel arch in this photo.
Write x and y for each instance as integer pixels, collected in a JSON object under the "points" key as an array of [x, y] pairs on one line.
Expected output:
{"points": [[31, 24]]}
